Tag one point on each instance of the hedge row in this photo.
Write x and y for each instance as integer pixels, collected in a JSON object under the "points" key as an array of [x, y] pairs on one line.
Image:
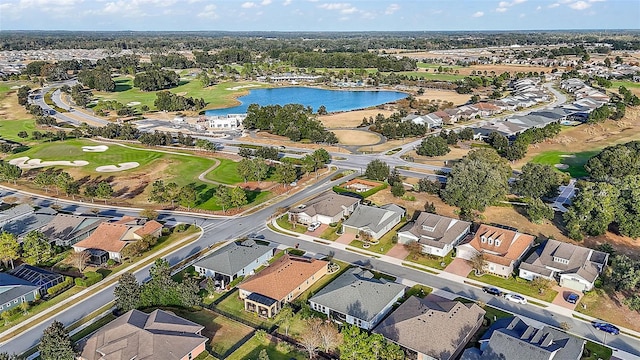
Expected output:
{"points": [[364, 194], [56, 289], [90, 278]]}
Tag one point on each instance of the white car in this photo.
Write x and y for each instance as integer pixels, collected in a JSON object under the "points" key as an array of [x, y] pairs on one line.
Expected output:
{"points": [[516, 298], [314, 226]]}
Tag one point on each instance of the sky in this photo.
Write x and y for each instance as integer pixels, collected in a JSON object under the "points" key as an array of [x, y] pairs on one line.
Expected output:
{"points": [[318, 15]]}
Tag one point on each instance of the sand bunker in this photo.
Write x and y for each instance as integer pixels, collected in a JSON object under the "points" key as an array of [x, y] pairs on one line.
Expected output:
{"points": [[97, 148], [567, 156], [235, 88], [119, 167], [26, 163], [561, 166], [133, 103]]}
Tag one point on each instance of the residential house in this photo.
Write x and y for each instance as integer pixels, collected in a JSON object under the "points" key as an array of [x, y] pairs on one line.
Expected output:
{"points": [[66, 230], [573, 266], [15, 212], [446, 118], [41, 278], [160, 335], [437, 234], [266, 292], [113, 237], [361, 185], [327, 208], [233, 260], [226, 122], [512, 338], [502, 249], [486, 109], [433, 121], [373, 220], [21, 226], [15, 291], [356, 297], [432, 330]]}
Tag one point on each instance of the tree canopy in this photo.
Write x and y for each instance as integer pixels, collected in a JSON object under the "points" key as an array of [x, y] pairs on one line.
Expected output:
{"points": [[292, 120], [537, 181], [55, 343], [377, 170], [480, 179], [615, 162], [433, 146]]}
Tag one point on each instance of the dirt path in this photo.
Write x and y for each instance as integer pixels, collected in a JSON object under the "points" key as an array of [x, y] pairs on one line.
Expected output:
{"points": [[202, 177]]}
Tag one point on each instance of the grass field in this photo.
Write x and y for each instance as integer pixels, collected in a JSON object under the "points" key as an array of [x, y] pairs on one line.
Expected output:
{"points": [[216, 96], [252, 348], [385, 243], [9, 129], [431, 76], [357, 137], [226, 173], [181, 169], [575, 161], [516, 284]]}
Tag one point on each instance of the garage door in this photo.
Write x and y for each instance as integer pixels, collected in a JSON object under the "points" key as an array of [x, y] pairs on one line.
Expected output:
{"points": [[572, 284]]}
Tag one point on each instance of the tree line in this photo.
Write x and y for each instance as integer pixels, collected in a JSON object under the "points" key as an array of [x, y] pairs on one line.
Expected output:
{"points": [[156, 79]]}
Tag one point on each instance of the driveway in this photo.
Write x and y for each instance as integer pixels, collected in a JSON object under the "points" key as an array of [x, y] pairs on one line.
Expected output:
{"points": [[562, 295], [460, 267], [346, 239], [318, 231], [398, 251]]}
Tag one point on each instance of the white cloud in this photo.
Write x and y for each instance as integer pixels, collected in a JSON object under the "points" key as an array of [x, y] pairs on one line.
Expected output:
{"points": [[265, 2], [554, 5], [503, 5], [344, 8], [391, 9], [592, 1], [580, 5], [501, 9], [539, 8], [248, 5], [209, 12], [478, 14], [286, 2]]}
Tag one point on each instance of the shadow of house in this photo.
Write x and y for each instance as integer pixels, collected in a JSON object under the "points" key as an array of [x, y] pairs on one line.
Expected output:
{"points": [[34, 221]]}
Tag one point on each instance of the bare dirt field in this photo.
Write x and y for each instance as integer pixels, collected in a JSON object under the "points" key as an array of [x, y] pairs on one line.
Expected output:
{"points": [[350, 119], [500, 68], [274, 140], [390, 144], [589, 137], [357, 137], [444, 96], [456, 153]]}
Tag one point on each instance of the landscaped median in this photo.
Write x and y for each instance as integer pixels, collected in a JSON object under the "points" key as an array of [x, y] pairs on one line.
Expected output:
{"points": [[85, 294]]}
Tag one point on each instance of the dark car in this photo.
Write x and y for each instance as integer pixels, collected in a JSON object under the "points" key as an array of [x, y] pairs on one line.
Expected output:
{"points": [[492, 291], [573, 298], [256, 236], [606, 327]]}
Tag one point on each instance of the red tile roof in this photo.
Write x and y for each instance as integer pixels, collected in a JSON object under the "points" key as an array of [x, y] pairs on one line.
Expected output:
{"points": [[149, 227], [511, 247], [106, 237]]}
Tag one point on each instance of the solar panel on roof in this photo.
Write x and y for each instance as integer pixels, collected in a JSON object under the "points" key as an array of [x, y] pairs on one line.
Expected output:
{"points": [[261, 299]]}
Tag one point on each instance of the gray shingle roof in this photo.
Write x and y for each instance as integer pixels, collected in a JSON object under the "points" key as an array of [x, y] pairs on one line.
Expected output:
{"points": [[435, 230], [328, 204], [233, 257], [358, 294], [12, 287], [15, 211], [373, 218], [437, 329], [582, 261], [513, 339], [35, 221], [157, 336], [63, 225]]}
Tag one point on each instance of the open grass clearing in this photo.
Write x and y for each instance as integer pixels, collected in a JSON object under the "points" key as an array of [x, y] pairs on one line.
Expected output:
{"points": [[607, 305], [357, 137], [252, 348], [573, 162], [596, 351], [235, 307], [431, 261], [226, 172], [284, 223], [331, 232], [440, 96], [515, 284], [216, 96], [223, 332]]}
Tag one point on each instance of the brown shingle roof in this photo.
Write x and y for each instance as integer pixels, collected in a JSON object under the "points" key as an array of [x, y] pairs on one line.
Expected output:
{"points": [[135, 335], [106, 237], [283, 276], [148, 228], [438, 329], [512, 244]]}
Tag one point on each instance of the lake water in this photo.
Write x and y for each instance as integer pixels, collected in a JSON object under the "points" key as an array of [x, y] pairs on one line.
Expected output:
{"points": [[333, 100]]}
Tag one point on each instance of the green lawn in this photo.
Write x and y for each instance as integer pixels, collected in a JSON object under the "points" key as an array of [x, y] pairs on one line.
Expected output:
{"points": [[597, 351], [575, 161], [385, 243], [234, 306], [251, 350], [330, 232], [431, 76], [418, 290], [430, 261], [284, 223], [9, 129], [216, 96], [226, 173], [435, 66], [515, 284], [627, 84]]}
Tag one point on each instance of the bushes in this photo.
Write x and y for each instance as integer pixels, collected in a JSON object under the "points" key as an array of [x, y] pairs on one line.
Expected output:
{"points": [[56, 289], [90, 278]]}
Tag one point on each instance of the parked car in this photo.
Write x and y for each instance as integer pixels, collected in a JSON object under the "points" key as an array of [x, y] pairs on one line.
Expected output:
{"points": [[606, 327], [256, 236], [314, 226], [516, 298], [572, 298], [492, 291]]}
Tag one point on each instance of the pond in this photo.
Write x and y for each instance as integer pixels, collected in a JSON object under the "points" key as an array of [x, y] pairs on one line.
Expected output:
{"points": [[333, 100]]}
